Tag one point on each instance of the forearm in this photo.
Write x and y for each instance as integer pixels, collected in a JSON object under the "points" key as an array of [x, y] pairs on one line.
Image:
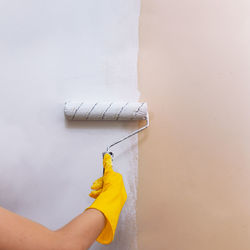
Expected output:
{"points": [[18, 233], [84, 229]]}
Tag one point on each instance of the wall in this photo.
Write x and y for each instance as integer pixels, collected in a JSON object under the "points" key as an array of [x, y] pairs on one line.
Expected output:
{"points": [[194, 174], [53, 51]]}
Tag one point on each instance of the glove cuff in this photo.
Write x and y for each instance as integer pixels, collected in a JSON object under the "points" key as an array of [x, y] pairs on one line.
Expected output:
{"points": [[108, 233]]}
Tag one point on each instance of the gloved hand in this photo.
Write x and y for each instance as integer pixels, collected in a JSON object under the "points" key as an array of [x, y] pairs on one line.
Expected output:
{"points": [[110, 194]]}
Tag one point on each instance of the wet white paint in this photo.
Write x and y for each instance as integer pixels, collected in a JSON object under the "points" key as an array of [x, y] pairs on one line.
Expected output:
{"points": [[52, 51]]}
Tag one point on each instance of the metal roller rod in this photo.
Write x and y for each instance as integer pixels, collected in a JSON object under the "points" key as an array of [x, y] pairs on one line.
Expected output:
{"points": [[128, 136]]}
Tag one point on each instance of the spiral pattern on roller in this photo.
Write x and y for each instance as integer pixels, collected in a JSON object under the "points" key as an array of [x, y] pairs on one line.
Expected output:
{"points": [[78, 111]]}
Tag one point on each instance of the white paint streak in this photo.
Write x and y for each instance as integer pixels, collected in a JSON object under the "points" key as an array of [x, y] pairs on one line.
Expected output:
{"points": [[52, 51]]}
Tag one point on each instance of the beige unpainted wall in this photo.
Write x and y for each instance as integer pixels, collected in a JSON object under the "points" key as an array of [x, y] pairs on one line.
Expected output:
{"points": [[194, 160]]}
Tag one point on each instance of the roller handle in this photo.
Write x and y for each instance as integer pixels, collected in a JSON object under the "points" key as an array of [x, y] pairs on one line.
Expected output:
{"points": [[112, 155]]}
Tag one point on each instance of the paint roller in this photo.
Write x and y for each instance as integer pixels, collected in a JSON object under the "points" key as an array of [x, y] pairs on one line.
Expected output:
{"points": [[108, 111]]}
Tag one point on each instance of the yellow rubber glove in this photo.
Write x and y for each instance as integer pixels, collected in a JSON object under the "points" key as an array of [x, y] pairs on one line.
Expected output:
{"points": [[110, 194]]}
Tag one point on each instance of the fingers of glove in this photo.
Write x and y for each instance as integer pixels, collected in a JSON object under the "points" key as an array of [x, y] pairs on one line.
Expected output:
{"points": [[94, 194], [107, 163], [97, 184], [112, 180]]}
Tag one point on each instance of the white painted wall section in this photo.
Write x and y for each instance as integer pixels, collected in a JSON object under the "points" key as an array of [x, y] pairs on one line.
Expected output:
{"points": [[52, 51]]}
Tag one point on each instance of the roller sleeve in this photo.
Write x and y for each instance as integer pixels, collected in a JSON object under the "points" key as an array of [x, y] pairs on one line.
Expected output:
{"points": [[105, 110]]}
